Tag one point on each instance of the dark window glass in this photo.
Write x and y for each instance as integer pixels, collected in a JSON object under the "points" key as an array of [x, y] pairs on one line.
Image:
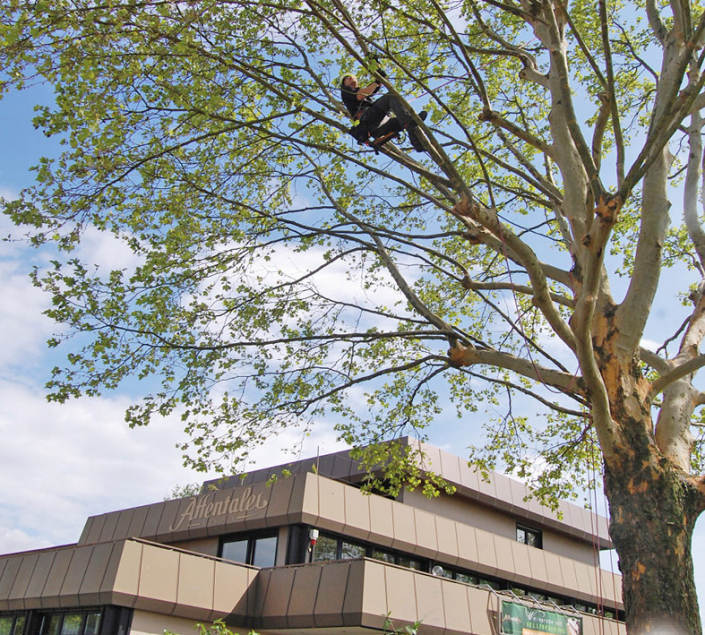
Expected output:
{"points": [[490, 583], [265, 551], [528, 536], [72, 624], [254, 549], [235, 550], [326, 548], [92, 624], [464, 577], [19, 625], [51, 624], [6, 625], [385, 556], [351, 550], [409, 563]]}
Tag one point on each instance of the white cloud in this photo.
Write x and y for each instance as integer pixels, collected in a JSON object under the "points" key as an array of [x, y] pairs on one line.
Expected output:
{"points": [[23, 327], [105, 249], [62, 463]]}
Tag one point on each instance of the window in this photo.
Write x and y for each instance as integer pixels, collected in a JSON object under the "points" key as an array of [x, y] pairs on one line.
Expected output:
{"points": [[529, 536], [330, 547], [108, 620], [259, 550], [464, 576], [71, 623], [12, 624]]}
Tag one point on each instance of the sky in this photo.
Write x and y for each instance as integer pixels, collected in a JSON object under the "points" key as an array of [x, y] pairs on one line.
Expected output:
{"points": [[60, 463]]}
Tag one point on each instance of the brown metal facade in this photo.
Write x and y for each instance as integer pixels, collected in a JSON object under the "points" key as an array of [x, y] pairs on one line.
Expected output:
{"points": [[159, 562]]}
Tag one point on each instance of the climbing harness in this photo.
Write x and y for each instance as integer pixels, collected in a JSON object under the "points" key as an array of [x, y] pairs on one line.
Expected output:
{"points": [[363, 137]]}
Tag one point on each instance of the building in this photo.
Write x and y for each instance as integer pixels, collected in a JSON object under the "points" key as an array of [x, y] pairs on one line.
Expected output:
{"points": [[313, 554]]}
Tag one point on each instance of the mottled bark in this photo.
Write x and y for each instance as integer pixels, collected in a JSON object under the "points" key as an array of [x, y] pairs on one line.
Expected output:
{"points": [[653, 512]]}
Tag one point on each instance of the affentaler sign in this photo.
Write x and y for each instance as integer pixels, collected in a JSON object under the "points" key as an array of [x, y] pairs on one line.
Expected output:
{"points": [[519, 619]]}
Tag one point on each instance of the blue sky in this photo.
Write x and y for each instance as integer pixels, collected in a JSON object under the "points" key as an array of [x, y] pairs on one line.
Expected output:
{"points": [[61, 463]]}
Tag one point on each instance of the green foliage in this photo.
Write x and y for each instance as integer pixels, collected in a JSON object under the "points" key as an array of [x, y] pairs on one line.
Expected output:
{"points": [[216, 628], [409, 629], [279, 275], [184, 491]]}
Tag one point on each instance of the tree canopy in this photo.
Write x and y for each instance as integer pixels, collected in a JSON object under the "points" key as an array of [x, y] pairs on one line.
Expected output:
{"points": [[284, 274]]}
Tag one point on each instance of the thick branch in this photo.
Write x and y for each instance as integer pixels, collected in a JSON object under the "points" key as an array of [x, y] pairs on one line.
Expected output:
{"points": [[565, 382]]}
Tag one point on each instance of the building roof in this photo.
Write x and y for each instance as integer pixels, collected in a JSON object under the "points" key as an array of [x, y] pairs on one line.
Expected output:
{"points": [[497, 491]]}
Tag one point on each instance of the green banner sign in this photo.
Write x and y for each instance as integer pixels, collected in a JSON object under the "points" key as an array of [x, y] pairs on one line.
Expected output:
{"points": [[519, 619]]}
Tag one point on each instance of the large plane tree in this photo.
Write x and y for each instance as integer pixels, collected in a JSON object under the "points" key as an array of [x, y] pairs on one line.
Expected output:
{"points": [[283, 274]]}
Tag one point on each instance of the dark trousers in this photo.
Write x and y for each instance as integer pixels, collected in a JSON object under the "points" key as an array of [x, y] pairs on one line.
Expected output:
{"points": [[380, 108]]}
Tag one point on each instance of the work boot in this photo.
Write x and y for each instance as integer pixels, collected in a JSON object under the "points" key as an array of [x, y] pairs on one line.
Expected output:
{"points": [[360, 133], [415, 140], [412, 124]]}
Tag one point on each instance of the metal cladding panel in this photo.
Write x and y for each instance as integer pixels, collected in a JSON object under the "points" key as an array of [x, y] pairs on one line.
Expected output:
{"points": [[352, 603], [381, 524], [429, 600], [232, 588], [126, 580], [554, 574], [302, 598], [431, 460], [279, 501], [331, 503], [587, 581], [216, 524], [522, 565], [89, 591], [158, 579], [69, 594], [486, 554], [40, 575], [151, 522], [328, 610], [467, 545], [404, 527], [426, 539], [446, 531], [86, 531], [611, 586], [122, 529], [505, 557], [537, 562], [400, 590], [55, 579], [483, 610], [111, 522], [139, 517], [274, 603], [309, 504], [450, 466], [111, 569], [7, 579], [96, 527], [15, 600], [357, 513], [455, 607], [167, 519], [570, 580], [194, 595], [375, 604]]}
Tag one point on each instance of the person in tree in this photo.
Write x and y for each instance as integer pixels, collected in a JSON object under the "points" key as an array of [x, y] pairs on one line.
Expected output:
{"points": [[370, 113]]}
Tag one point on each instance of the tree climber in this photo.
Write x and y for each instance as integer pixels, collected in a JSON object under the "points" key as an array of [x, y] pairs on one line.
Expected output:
{"points": [[370, 114]]}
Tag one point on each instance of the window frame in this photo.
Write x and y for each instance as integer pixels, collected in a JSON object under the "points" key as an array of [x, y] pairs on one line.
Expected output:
{"points": [[251, 550], [15, 617], [529, 531]]}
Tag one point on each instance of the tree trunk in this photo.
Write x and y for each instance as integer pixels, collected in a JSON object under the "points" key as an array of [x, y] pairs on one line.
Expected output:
{"points": [[653, 512]]}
